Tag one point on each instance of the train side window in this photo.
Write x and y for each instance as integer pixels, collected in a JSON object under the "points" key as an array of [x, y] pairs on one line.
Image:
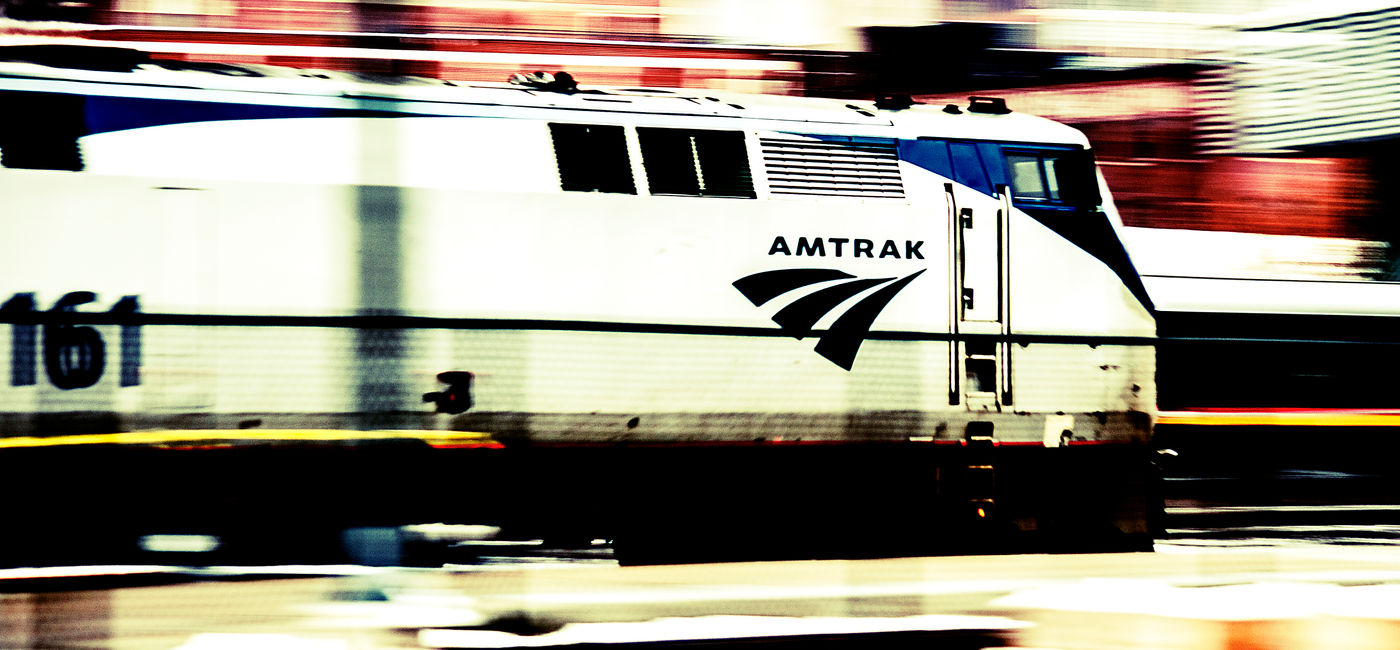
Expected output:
{"points": [[1028, 177], [592, 158], [967, 167], [690, 162]]}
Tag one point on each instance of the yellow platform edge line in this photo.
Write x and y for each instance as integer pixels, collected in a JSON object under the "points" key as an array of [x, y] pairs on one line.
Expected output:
{"points": [[1301, 419], [164, 437]]}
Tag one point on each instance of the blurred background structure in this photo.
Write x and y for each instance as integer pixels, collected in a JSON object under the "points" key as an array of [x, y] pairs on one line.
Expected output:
{"points": [[1241, 139], [1259, 117]]}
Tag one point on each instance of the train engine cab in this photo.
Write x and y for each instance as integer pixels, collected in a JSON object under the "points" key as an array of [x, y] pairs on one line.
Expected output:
{"points": [[756, 315]]}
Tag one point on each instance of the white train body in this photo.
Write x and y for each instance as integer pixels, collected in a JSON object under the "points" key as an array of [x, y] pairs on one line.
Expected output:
{"points": [[277, 231]]}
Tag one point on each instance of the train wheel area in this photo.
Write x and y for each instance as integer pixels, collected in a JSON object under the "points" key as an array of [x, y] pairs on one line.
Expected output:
{"points": [[367, 502]]}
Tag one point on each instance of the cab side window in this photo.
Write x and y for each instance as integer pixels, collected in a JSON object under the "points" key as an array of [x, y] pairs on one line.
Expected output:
{"points": [[1061, 177], [1029, 178]]}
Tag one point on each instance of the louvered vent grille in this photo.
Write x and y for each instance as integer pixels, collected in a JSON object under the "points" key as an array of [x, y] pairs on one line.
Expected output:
{"points": [[821, 168]]}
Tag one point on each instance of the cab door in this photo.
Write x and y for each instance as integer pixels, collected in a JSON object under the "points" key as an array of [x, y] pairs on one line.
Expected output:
{"points": [[979, 240]]}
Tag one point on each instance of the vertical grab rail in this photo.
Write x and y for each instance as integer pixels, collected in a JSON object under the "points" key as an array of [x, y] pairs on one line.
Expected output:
{"points": [[1004, 230], [954, 296]]}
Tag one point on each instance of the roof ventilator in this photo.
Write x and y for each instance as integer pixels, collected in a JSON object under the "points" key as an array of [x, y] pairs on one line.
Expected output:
{"points": [[987, 105], [77, 57]]}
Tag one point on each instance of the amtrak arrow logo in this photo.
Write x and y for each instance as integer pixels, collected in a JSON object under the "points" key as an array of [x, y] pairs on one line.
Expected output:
{"points": [[840, 343]]}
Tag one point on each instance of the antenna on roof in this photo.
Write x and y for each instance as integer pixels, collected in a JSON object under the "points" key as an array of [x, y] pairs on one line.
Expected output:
{"points": [[894, 102], [559, 82], [988, 105]]}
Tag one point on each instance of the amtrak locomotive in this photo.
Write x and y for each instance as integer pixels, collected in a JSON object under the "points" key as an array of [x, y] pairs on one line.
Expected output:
{"points": [[690, 322]]}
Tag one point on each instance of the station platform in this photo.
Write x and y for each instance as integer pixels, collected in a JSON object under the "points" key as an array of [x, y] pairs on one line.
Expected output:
{"points": [[1313, 597]]}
